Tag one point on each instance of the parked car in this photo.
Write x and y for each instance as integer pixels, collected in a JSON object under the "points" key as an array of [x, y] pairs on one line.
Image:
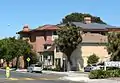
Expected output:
{"points": [[35, 68], [92, 67], [87, 68]]}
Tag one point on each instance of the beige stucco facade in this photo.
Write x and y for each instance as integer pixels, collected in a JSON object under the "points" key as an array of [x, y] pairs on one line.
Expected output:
{"points": [[99, 50], [87, 50]]}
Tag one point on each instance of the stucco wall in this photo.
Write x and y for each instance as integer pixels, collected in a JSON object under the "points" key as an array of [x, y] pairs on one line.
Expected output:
{"points": [[100, 51]]}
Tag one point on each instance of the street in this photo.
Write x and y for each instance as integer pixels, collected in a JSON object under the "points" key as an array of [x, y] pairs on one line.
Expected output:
{"points": [[26, 77]]}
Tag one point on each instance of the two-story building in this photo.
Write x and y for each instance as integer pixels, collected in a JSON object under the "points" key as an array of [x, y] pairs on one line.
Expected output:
{"points": [[94, 39], [42, 39]]}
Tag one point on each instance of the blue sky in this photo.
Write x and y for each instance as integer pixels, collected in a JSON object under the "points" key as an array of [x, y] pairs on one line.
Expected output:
{"points": [[15, 13]]}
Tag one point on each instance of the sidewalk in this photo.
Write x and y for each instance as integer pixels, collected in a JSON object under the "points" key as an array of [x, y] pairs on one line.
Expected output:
{"points": [[87, 80], [80, 77], [84, 78]]}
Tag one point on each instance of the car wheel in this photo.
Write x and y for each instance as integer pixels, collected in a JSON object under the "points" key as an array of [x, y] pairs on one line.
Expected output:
{"points": [[40, 71]]}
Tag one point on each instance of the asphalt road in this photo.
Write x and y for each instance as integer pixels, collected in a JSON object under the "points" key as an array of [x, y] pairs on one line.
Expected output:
{"points": [[26, 77]]}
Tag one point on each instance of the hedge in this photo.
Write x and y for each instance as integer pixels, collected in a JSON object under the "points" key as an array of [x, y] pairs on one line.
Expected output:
{"points": [[100, 74]]}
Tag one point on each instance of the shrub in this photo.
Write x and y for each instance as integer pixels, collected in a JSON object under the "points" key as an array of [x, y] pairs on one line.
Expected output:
{"points": [[98, 74], [92, 59]]}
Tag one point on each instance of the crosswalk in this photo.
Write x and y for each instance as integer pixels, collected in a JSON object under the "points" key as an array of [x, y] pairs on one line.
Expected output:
{"points": [[15, 79]]}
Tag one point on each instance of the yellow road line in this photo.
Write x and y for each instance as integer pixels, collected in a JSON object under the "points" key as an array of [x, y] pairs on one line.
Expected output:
{"points": [[43, 79], [28, 79], [31, 79], [13, 78]]}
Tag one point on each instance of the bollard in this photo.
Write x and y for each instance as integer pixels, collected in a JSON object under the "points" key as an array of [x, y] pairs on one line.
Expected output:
{"points": [[7, 72]]}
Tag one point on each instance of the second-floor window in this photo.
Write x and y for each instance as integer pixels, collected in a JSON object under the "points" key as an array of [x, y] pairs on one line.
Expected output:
{"points": [[54, 33], [57, 49], [45, 47], [32, 38]]}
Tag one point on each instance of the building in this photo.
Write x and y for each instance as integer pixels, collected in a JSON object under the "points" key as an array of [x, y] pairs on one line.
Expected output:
{"points": [[93, 34], [42, 39]]}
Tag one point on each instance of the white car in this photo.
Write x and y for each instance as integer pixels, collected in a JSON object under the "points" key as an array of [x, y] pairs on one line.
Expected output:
{"points": [[34, 68], [96, 68]]}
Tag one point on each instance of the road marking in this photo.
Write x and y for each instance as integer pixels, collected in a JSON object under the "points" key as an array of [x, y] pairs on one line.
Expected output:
{"points": [[43, 79], [29, 79], [13, 78]]}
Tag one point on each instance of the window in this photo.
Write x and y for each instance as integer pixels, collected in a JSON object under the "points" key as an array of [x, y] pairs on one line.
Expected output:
{"points": [[32, 38], [57, 49], [45, 47], [54, 33]]}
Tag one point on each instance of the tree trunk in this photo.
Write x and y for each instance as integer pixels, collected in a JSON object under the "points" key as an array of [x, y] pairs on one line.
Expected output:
{"points": [[69, 63], [68, 66], [7, 63], [68, 53], [17, 63]]}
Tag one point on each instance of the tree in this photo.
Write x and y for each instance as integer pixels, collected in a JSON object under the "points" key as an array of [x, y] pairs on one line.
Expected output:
{"points": [[33, 58], [69, 38], [22, 48], [113, 46], [79, 17], [92, 59], [11, 48], [6, 49]]}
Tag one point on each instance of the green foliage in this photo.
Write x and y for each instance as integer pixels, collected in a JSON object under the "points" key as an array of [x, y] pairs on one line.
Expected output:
{"points": [[79, 17], [113, 46], [99, 74], [33, 58], [11, 48], [92, 59], [6, 49], [69, 38]]}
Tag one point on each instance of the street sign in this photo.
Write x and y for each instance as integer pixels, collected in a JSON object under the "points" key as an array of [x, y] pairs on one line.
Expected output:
{"points": [[28, 59], [112, 64]]}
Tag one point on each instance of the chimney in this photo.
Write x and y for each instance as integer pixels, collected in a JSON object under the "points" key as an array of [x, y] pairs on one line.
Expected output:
{"points": [[87, 20], [26, 28]]}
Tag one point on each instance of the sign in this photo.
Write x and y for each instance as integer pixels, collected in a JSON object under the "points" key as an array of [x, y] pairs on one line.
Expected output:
{"points": [[28, 59], [7, 72], [112, 64]]}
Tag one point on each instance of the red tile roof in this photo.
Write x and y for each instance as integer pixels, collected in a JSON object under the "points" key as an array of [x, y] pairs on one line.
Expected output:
{"points": [[47, 27], [40, 28]]}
